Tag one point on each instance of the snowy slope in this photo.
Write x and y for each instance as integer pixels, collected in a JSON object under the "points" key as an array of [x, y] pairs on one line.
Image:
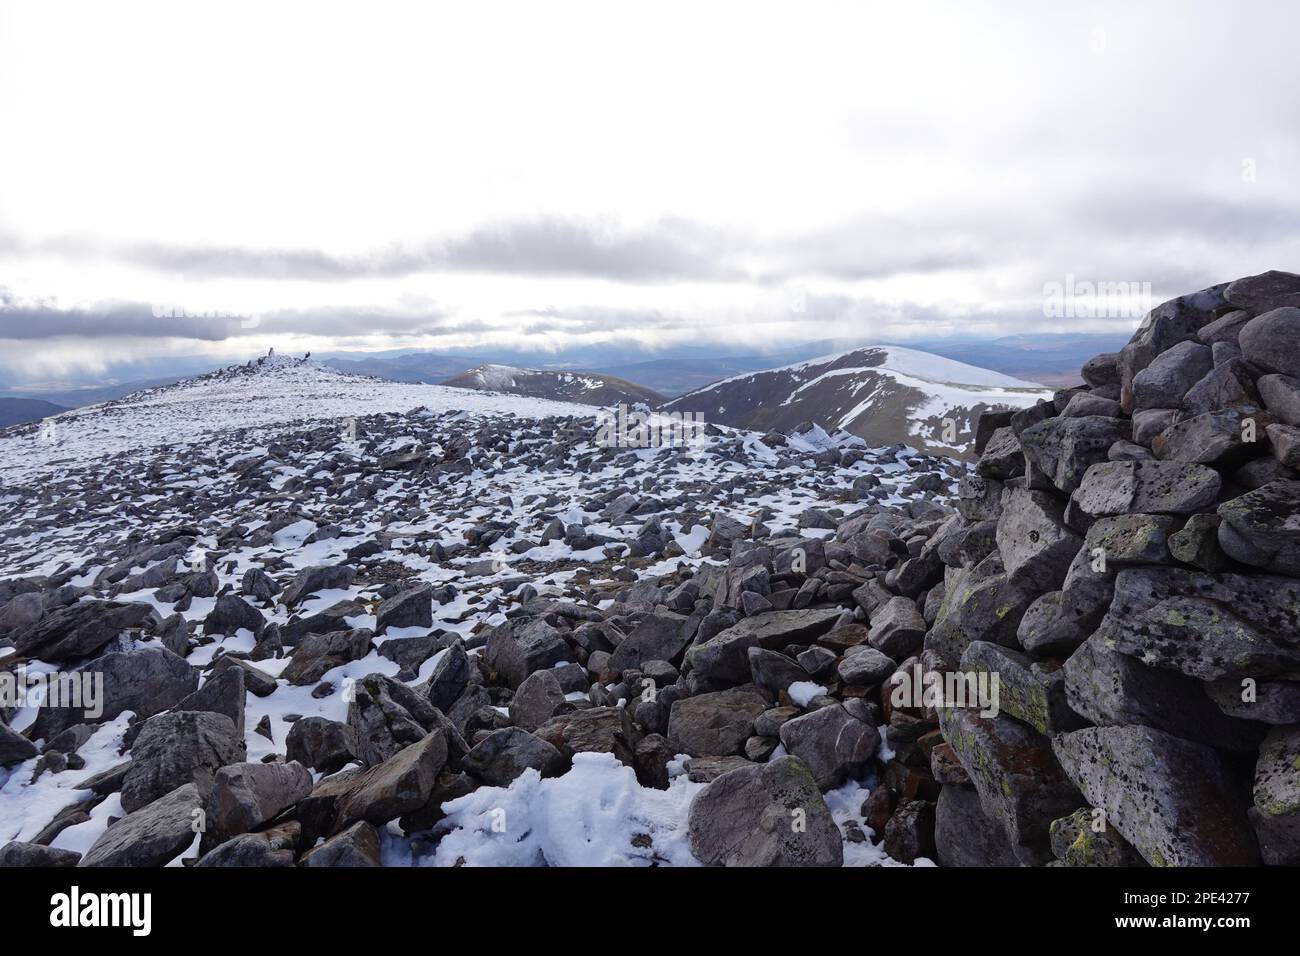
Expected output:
{"points": [[884, 394], [276, 393]]}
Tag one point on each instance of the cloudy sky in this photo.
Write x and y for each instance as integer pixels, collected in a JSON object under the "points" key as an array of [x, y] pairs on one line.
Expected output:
{"points": [[183, 179]]}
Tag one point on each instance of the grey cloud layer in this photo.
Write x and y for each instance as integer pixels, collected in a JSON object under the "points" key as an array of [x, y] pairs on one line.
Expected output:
{"points": [[1090, 229]]}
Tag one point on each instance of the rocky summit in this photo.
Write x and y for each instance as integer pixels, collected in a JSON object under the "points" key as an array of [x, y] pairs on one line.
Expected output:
{"points": [[285, 616]]}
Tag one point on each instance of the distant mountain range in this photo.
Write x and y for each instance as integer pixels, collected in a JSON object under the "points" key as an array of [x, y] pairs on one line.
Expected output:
{"points": [[584, 388], [882, 394], [17, 411], [1051, 359]]}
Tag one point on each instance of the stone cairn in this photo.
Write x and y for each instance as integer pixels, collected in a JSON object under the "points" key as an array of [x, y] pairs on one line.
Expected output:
{"points": [[1127, 563]]}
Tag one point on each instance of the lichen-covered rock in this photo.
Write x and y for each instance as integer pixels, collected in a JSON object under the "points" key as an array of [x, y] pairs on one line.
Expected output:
{"points": [[1176, 802], [1084, 839], [1262, 528], [1020, 782], [1064, 448], [1112, 689], [1268, 702], [1153, 487], [1024, 688], [1035, 544]]}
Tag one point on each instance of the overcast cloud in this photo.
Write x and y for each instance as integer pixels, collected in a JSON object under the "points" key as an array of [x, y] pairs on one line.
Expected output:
{"points": [[325, 176]]}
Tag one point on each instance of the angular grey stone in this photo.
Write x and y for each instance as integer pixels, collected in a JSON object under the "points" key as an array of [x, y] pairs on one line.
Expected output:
{"points": [[1281, 395], [1035, 544], [516, 652], [34, 854], [832, 743], [1197, 543], [1020, 783], [1063, 448], [315, 579], [721, 661], [1223, 329], [399, 785], [1027, 690], [1112, 689], [1229, 385], [232, 613], [322, 744], [357, 846], [964, 835], [1268, 290], [246, 795], [317, 654], [774, 671], [247, 850], [1175, 801], [223, 694], [1286, 444], [1262, 528], [177, 748], [1267, 702], [146, 680], [1153, 487], [151, 835], [1047, 629], [1164, 326], [897, 629], [597, 730], [1101, 370], [744, 818], [450, 677], [1277, 773], [412, 607], [1213, 438], [715, 724], [776, 630], [504, 754], [1130, 538], [536, 700], [1149, 423], [388, 716], [864, 666], [1202, 638], [1002, 457], [14, 747], [1077, 841], [80, 629]]}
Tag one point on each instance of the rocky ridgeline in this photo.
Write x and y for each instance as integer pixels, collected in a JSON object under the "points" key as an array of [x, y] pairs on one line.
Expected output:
{"points": [[1127, 561]]}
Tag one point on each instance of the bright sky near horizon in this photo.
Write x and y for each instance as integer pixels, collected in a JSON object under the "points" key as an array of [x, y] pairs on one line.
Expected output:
{"points": [[380, 175]]}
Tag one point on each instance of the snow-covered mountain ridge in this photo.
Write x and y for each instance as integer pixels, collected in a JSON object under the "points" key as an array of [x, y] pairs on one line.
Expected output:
{"points": [[883, 394]]}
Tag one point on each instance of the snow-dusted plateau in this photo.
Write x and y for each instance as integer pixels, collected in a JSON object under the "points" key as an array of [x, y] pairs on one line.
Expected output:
{"points": [[329, 619]]}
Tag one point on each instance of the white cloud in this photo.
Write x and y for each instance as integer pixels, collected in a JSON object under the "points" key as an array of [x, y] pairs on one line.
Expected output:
{"points": [[399, 173]]}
